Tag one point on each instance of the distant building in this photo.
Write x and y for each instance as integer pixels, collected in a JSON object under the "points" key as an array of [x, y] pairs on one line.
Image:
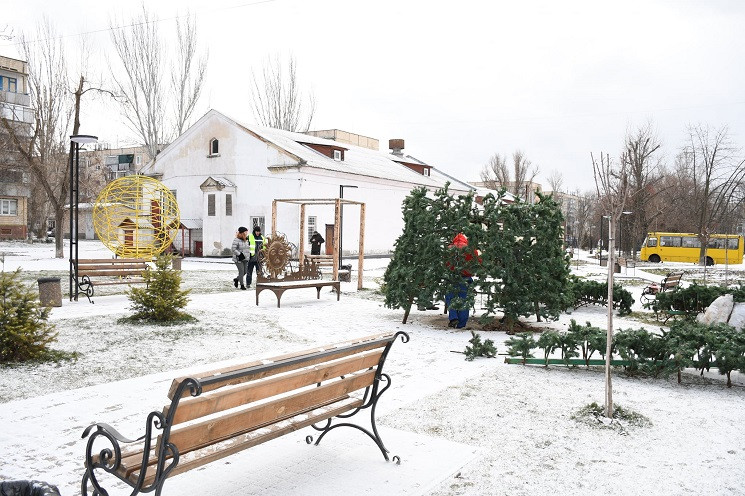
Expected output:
{"points": [[15, 176]]}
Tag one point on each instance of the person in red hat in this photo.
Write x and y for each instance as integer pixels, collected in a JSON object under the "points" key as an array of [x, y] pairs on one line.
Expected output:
{"points": [[459, 318]]}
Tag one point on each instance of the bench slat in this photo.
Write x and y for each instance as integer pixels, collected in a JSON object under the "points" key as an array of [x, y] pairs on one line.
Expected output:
{"points": [[209, 431], [198, 458], [208, 404], [107, 272], [342, 350]]}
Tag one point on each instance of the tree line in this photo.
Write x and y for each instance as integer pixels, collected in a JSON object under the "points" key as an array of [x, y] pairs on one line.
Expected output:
{"points": [[699, 187]]}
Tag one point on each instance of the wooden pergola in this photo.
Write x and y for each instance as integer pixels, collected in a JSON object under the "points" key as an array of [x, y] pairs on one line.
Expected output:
{"points": [[337, 202]]}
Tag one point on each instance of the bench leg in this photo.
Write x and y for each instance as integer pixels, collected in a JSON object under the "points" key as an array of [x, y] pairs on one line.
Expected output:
{"points": [[338, 290], [373, 433]]}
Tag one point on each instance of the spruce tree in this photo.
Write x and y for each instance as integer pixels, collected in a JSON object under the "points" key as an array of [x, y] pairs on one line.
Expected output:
{"points": [[24, 331], [162, 300], [414, 273]]}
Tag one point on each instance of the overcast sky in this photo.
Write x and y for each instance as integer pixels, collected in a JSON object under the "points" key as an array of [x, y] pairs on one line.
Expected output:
{"points": [[458, 81]]}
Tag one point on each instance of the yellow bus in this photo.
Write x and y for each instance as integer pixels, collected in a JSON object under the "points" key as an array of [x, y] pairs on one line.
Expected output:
{"points": [[686, 247]]}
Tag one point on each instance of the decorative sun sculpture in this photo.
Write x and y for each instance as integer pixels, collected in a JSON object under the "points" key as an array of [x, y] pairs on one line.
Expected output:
{"points": [[136, 217]]}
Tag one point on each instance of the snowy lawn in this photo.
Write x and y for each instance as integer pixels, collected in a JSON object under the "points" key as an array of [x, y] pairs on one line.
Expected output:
{"points": [[481, 427]]}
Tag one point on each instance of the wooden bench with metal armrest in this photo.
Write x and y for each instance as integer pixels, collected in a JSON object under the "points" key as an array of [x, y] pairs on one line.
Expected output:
{"points": [[220, 412]]}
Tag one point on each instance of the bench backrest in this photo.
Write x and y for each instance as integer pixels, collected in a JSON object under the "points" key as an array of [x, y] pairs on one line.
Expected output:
{"points": [[261, 393], [672, 280], [111, 267]]}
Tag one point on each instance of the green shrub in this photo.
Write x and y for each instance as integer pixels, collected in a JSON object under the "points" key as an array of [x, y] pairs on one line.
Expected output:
{"points": [[548, 342], [589, 339], [692, 300], [479, 349], [521, 345], [162, 300], [587, 292], [24, 331]]}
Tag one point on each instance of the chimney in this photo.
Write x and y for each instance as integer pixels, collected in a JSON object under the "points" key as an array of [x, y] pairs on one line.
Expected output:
{"points": [[396, 146]]}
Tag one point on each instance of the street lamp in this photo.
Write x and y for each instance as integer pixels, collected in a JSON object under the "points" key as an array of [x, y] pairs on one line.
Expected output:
{"points": [[75, 142], [341, 215], [602, 241], [620, 230]]}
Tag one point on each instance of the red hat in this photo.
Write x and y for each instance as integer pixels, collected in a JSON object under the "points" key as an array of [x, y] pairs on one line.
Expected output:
{"points": [[460, 240]]}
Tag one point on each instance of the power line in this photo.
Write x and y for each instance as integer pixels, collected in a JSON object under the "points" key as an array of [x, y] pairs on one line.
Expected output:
{"points": [[134, 24]]}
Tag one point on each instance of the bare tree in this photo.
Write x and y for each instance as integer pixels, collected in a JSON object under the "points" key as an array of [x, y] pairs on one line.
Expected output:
{"points": [[555, 181], [145, 97], [708, 164], [276, 100], [644, 165], [612, 185], [43, 150], [187, 80], [496, 174]]}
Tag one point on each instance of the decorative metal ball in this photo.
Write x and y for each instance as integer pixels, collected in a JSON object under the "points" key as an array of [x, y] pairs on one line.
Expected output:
{"points": [[136, 217]]}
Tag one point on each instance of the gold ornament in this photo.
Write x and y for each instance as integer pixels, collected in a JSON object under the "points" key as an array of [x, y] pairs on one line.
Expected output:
{"points": [[136, 217]]}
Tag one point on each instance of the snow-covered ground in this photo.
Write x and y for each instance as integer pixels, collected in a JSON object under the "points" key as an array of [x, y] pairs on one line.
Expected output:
{"points": [[481, 427]]}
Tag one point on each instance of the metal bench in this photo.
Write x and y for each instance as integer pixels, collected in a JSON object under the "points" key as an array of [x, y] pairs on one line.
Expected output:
{"points": [[277, 274], [220, 412], [671, 281], [107, 271]]}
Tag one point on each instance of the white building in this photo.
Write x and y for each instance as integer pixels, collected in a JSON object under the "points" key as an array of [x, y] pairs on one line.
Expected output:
{"points": [[226, 174]]}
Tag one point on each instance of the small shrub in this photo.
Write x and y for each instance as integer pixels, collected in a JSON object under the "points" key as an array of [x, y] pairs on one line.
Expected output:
{"points": [[162, 300], [596, 293], [521, 345], [479, 349], [25, 333], [548, 342]]}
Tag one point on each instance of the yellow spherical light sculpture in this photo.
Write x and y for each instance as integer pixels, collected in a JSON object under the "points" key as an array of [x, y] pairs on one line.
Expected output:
{"points": [[136, 217]]}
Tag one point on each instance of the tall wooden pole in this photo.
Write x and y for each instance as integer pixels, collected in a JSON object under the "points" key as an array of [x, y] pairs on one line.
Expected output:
{"points": [[337, 224], [609, 334], [361, 257]]}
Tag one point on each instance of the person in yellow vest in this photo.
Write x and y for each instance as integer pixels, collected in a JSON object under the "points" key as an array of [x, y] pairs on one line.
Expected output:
{"points": [[256, 244]]}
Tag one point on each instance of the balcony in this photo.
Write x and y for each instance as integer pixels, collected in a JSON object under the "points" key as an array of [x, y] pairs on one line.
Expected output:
{"points": [[21, 99]]}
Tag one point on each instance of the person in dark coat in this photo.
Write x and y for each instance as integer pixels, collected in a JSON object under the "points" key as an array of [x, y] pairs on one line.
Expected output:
{"points": [[256, 244], [315, 243]]}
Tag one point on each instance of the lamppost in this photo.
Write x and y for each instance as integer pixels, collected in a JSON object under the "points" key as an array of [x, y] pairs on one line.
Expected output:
{"points": [[620, 230], [75, 142], [341, 216], [602, 241]]}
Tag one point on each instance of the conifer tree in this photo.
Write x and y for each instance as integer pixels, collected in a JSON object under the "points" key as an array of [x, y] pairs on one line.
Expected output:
{"points": [[414, 273], [162, 300]]}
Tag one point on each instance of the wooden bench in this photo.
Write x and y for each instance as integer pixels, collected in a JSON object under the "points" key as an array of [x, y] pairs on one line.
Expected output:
{"points": [[277, 274], [220, 412], [107, 271], [671, 281]]}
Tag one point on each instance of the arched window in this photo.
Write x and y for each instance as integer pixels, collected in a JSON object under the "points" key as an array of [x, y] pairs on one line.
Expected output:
{"points": [[214, 146]]}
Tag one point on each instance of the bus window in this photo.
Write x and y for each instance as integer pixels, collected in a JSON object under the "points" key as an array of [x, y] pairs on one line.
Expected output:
{"points": [[651, 242], [732, 243], [715, 243], [673, 241], [691, 242]]}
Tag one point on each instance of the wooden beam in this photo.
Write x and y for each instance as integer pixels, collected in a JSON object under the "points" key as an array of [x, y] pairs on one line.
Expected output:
{"points": [[337, 224], [361, 258], [274, 218]]}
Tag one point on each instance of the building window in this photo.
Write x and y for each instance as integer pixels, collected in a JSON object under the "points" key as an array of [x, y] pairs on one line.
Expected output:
{"points": [[139, 160], [426, 171], [229, 205], [211, 205], [214, 146], [173, 192], [337, 155], [8, 206], [258, 221], [312, 225], [8, 84]]}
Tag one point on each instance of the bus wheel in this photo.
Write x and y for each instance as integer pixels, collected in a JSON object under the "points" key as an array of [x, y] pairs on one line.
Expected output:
{"points": [[709, 261], [654, 258]]}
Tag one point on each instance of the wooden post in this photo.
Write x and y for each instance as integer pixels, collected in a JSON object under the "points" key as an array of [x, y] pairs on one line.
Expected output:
{"points": [[274, 218], [337, 222], [362, 246], [301, 249]]}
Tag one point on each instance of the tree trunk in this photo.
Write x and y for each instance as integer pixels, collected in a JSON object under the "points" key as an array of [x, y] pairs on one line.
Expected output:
{"points": [[59, 215], [406, 313], [609, 334]]}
